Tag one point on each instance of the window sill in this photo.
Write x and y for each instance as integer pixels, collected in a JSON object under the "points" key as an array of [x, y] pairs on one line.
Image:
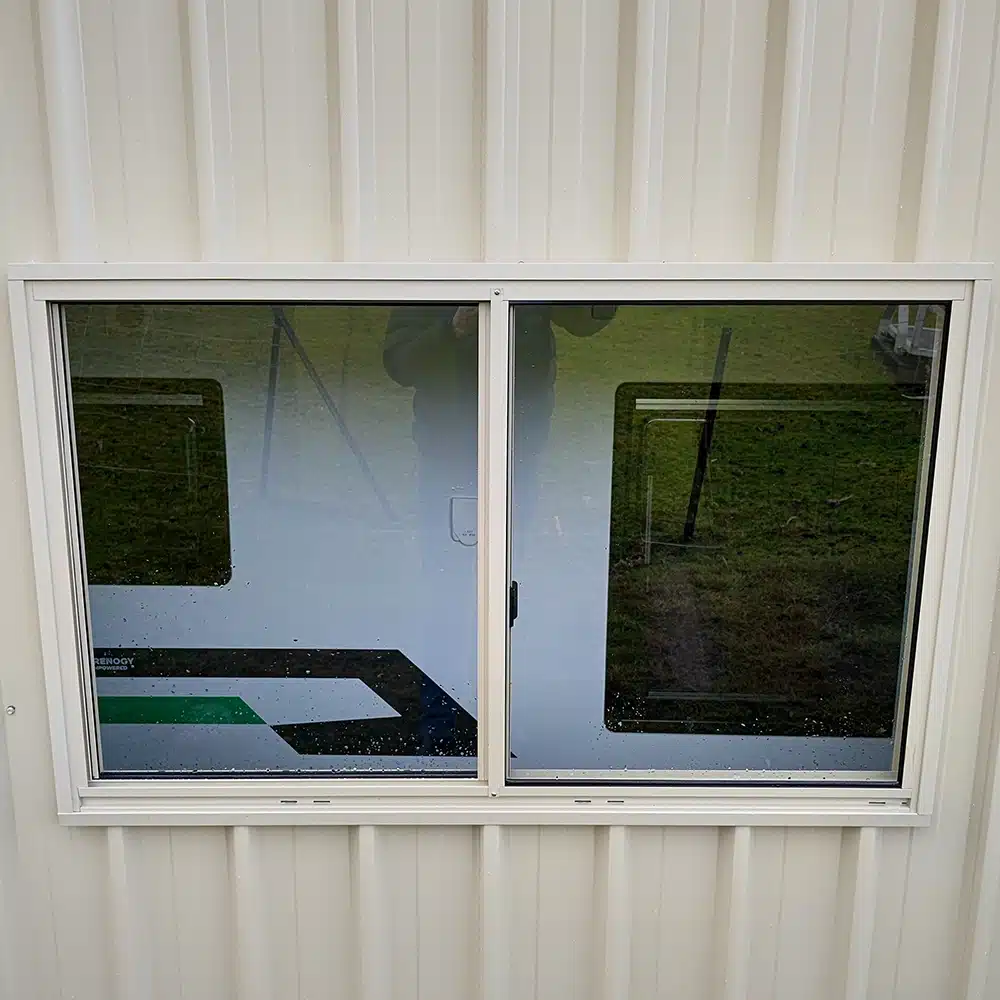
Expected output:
{"points": [[199, 803]]}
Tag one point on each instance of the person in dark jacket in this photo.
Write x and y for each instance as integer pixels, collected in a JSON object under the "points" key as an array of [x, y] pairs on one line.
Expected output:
{"points": [[434, 350]]}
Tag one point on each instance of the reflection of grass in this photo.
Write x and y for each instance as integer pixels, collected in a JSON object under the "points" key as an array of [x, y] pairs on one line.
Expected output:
{"points": [[783, 343], [153, 483], [774, 343], [793, 593]]}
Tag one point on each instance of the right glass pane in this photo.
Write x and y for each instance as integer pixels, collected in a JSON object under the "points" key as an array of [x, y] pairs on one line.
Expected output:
{"points": [[717, 527]]}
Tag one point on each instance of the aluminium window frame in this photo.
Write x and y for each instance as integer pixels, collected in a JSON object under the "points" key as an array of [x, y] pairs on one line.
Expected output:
{"points": [[37, 292]]}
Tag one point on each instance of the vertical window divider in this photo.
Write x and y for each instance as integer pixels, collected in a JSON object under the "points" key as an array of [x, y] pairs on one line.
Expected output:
{"points": [[493, 566]]}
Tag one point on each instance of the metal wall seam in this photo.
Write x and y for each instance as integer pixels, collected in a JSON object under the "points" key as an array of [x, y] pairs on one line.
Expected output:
{"points": [[228, 113], [69, 142], [805, 953], [105, 128], [198, 895], [354, 195], [584, 110], [445, 935], [733, 930], [373, 971], [815, 69], [858, 895], [648, 130], [130, 944], [494, 940], [251, 944], [443, 130], [503, 55], [729, 115], [155, 123], [294, 80], [872, 130], [384, 127], [958, 130], [767, 896], [319, 863], [613, 914], [531, 91], [940, 126], [843, 123], [210, 72], [792, 148]]}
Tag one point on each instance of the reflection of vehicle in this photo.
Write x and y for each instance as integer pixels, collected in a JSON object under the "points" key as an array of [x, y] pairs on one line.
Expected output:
{"points": [[906, 337]]}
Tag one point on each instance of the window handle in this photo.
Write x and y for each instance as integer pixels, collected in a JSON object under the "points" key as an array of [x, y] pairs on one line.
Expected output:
{"points": [[513, 602]]}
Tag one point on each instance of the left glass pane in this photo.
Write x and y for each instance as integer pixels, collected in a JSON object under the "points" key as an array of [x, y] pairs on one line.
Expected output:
{"points": [[279, 526]]}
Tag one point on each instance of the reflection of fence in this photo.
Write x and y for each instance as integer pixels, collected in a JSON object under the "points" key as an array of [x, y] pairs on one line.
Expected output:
{"points": [[917, 338], [906, 338]]}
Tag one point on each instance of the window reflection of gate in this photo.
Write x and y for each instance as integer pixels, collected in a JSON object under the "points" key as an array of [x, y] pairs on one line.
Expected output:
{"points": [[906, 339]]}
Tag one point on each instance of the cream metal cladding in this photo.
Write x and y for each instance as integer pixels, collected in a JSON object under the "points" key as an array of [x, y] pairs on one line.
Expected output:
{"points": [[360, 130]]}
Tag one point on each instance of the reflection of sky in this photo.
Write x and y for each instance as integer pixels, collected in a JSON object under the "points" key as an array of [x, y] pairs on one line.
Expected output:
{"points": [[316, 562]]}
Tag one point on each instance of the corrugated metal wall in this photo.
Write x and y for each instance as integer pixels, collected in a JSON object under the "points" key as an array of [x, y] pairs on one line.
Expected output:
{"points": [[464, 129]]}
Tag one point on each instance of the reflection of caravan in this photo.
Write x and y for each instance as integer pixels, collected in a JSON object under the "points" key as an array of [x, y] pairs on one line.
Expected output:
{"points": [[253, 550]]}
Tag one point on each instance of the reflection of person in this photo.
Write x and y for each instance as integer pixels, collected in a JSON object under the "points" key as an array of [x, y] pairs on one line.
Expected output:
{"points": [[434, 349]]}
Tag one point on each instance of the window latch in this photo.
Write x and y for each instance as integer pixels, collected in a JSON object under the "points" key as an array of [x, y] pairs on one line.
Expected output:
{"points": [[513, 602]]}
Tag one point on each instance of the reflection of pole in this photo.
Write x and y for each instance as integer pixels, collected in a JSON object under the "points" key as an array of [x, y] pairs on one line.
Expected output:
{"points": [[648, 544], [705, 443], [272, 391], [281, 323]]}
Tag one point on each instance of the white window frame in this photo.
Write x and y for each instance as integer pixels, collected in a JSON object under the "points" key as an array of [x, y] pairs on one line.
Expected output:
{"points": [[37, 290]]}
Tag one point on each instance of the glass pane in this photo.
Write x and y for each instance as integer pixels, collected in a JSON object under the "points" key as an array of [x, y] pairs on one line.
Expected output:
{"points": [[279, 519], [717, 534]]}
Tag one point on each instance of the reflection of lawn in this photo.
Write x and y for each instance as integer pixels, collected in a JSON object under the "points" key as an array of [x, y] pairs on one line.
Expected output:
{"points": [[782, 343], [776, 343], [153, 483], [792, 596]]}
